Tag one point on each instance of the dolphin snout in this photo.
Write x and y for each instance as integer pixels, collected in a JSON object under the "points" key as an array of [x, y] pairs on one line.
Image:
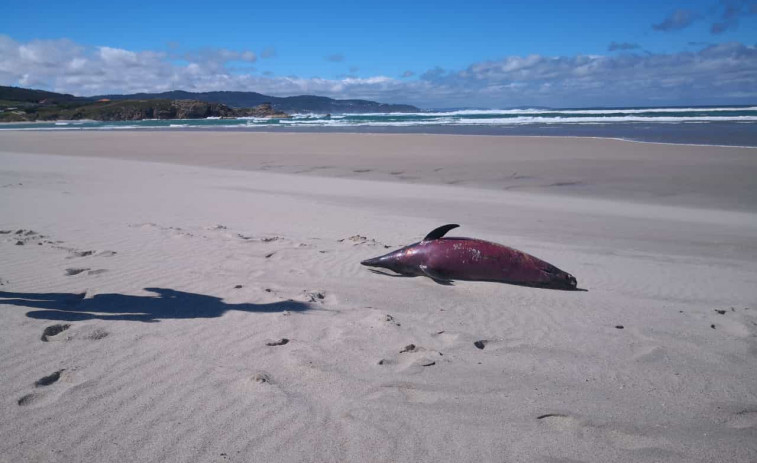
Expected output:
{"points": [[372, 262]]}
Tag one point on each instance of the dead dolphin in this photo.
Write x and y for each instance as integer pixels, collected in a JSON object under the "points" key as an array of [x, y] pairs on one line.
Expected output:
{"points": [[444, 259]]}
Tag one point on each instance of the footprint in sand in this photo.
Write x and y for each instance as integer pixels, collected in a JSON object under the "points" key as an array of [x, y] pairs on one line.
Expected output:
{"points": [[261, 377], [80, 254], [75, 271], [409, 348], [89, 333], [29, 399], [92, 334], [316, 296], [280, 342], [88, 253], [392, 320], [43, 382], [22, 237], [54, 330], [49, 379], [419, 357]]}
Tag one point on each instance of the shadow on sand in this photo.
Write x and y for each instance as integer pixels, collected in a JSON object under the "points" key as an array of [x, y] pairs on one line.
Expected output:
{"points": [[452, 282], [165, 304]]}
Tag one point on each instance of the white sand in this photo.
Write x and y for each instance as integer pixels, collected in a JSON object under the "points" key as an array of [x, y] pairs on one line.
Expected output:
{"points": [[182, 371]]}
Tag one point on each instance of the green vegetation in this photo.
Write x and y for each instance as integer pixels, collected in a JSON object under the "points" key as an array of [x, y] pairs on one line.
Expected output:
{"points": [[22, 105], [13, 96], [300, 103]]}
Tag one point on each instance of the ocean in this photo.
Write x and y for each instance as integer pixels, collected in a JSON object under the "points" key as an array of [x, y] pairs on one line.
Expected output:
{"points": [[725, 125]]}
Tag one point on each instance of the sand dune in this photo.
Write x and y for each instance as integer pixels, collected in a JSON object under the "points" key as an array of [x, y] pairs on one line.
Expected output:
{"points": [[164, 291]]}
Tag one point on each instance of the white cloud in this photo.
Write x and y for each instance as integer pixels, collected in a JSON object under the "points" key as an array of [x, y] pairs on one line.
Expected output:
{"points": [[627, 79], [723, 73]]}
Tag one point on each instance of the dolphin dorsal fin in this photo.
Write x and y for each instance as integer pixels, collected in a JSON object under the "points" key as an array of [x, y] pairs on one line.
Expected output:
{"points": [[437, 233]]}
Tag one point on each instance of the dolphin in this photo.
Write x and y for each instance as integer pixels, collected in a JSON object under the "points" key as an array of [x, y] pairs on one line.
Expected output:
{"points": [[446, 259]]}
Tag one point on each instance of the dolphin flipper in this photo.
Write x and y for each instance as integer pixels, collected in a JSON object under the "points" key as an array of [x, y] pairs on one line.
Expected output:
{"points": [[437, 233], [435, 276]]}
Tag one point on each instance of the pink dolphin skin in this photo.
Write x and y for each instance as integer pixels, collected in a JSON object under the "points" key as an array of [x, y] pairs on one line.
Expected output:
{"points": [[444, 259]]}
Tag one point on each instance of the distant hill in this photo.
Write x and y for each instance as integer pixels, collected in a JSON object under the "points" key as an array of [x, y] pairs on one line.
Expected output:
{"points": [[302, 103], [24, 105], [23, 96]]}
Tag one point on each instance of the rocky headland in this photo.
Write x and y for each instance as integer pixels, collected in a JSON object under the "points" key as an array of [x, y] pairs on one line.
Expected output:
{"points": [[132, 110]]}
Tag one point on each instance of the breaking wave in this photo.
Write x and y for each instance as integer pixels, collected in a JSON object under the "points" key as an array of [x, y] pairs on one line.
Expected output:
{"points": [[465, 117]]}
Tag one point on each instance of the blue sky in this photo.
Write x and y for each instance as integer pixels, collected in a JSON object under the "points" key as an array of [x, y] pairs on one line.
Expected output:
{"points": [[434, 54]]}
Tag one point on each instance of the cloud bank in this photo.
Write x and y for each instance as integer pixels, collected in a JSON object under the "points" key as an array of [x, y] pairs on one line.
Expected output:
{"points": [[717, 74], [726, 16], [730, 12], [678, 19]]}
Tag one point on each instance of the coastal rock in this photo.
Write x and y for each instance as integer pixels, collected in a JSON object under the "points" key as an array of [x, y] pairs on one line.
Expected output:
{"points": [[263, 110]]}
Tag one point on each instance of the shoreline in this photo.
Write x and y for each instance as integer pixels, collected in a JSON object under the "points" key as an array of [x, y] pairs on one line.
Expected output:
{"points": [[306, 131], [735, 134]]}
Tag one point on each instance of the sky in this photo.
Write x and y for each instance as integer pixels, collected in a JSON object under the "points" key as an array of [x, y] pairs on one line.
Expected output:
{"points": [[434, 54]]}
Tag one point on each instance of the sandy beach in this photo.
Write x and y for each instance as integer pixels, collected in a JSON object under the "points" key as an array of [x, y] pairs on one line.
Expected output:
{"points": [[197, 296]]}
